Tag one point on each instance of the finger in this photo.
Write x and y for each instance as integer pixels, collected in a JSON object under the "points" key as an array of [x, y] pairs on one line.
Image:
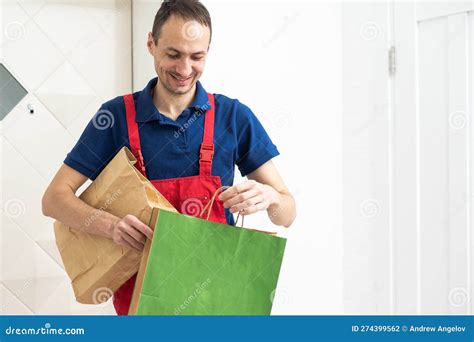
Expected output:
{"points": [[134, 233], [246, 203], [139, 225], [131, 242], [240, 198], [236, 189], [253, 209]]}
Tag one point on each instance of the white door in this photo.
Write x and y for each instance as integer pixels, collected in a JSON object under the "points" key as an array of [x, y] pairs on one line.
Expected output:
{"points": [[407, 156], [432, 93]]}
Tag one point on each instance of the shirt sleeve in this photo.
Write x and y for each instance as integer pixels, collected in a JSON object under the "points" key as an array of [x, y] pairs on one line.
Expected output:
{"points": [[254, 146], [96, 146]]}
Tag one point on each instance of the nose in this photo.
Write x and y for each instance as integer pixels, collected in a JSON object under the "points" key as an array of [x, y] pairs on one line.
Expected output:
{"points": [[184, 67]]}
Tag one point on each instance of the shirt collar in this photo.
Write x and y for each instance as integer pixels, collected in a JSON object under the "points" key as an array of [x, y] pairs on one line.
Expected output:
{"points": [[146, 110]]}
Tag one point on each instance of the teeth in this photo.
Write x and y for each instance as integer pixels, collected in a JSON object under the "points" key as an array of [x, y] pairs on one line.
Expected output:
{"points": [[181, 79]]}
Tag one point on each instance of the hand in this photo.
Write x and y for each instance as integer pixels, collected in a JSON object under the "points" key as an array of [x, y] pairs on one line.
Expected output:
{"points": [[248, 197], [131, 232]]}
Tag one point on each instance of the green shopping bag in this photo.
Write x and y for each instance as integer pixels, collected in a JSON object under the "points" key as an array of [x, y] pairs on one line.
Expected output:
{"points": [[198, 267]]}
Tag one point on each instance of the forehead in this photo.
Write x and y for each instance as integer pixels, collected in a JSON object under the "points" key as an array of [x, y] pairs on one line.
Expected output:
{"points": [[184, 35]]}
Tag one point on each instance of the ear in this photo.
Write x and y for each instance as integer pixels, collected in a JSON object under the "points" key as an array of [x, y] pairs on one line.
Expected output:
{"points": [[150, 43]]}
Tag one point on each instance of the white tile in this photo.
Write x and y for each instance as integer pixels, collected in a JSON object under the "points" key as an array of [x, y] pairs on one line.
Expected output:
{"points": [[34, 276], [31, 6], [63, 302], [47, 242], [66, 24], [108, 309], [106, 64], [39, 137], [22, 190], [65, 94], [31, 57], [110, 15], [12, 21], [77, 126], [10, 305]]}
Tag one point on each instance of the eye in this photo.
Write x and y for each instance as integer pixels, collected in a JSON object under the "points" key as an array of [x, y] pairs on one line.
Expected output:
{"points": [[197, 58], [173, 56]]}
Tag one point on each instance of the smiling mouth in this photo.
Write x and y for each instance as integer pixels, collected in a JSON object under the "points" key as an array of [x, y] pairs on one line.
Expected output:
{"points": [[181, 79]]}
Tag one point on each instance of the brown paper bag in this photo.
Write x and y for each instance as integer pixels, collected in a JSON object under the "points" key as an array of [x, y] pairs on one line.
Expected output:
{"points": [[96, 265]]}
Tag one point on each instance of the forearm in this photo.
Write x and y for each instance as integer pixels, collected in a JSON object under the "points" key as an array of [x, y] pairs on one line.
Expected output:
{"points": [[282, 210], [65, 207]]}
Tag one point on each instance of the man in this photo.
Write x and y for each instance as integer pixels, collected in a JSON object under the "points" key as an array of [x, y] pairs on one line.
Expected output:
{"points": [[187, 143]]}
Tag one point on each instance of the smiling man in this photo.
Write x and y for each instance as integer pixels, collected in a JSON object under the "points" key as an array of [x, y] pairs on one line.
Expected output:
{"points": [[187, 143]]}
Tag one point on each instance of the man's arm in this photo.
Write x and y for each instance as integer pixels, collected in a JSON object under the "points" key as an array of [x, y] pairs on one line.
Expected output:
{"points": [[265, 190], [60, 202]]}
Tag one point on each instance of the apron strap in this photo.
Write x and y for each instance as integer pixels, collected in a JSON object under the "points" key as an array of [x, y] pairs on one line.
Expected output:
{"points": [[133, 134], [207, 147]]}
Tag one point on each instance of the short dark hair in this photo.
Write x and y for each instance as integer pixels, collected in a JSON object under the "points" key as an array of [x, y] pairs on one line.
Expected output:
{"points": [[186, 9]]}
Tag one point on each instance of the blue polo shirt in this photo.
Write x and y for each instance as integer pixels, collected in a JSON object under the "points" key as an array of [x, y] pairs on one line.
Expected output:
{"points": [[171, 148]]}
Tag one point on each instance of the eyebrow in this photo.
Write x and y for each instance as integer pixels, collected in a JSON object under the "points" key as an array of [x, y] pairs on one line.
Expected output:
{"points": [[170, 49]]}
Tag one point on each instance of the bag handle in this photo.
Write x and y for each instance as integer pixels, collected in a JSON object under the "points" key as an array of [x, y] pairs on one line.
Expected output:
{"points": [[211, 202]]}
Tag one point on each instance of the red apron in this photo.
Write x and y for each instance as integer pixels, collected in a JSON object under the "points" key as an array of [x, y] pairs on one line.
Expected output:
{"points": [[189, 195]]}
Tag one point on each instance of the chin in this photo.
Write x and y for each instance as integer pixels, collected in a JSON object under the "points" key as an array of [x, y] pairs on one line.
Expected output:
{"points": [[183, 90]]}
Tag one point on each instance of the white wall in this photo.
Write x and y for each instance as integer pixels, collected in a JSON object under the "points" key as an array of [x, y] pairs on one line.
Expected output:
{"points": [[71, 56], [284, 61]]}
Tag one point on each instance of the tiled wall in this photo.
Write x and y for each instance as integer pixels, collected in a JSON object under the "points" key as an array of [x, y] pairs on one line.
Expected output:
{"points": [[70, 56]]}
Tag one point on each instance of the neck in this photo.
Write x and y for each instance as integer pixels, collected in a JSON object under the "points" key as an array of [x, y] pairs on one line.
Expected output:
{"points": [[171, 105]]}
